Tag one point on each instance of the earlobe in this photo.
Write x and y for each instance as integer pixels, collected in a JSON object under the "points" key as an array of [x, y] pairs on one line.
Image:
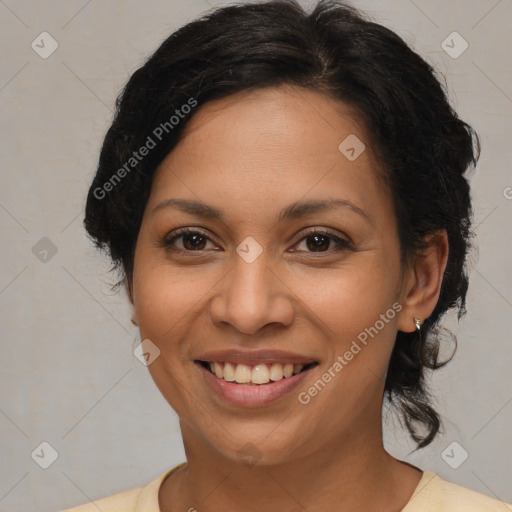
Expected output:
{"points": [[424, 282]]}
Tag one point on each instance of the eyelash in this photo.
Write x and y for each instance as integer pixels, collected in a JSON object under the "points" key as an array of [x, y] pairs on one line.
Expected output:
{"points": [[180, 233]]}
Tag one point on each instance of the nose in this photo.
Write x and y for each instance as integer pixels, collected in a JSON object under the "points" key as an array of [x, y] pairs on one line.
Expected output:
{"points": [[252, 296]]}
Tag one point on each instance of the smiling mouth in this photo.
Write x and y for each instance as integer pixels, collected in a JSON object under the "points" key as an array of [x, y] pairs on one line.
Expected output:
{"points": [[258, 374]]}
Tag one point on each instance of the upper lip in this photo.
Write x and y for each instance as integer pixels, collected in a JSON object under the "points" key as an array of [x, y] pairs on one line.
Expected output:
{"points": [[250, 357]]}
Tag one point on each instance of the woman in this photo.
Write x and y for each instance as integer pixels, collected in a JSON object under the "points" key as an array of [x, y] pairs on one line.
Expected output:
{"points": [[284, 194]]}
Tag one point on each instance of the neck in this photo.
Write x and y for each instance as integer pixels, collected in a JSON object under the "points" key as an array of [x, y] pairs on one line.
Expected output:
{"points": [[351, 475]]}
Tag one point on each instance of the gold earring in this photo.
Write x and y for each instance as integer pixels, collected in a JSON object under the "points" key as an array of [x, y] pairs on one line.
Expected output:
{"points": [[417, 322]]}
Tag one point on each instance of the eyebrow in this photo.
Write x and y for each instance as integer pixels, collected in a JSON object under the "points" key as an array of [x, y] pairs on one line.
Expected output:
{"points": [[295, 210]]}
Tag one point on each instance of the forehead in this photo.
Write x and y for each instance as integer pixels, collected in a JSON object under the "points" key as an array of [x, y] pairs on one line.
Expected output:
{"points": [[281, 117], [272, 145]]}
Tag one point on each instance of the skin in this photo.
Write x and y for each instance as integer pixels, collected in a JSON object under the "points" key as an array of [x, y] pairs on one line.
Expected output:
{"points": [[251, 155]]}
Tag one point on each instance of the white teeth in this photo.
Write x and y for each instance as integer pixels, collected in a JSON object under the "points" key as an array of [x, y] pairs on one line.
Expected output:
{"points": [[288, 370], [258, 374], [218, 370], [297, 368], [276, 372], [228, 372], [243, 374]]}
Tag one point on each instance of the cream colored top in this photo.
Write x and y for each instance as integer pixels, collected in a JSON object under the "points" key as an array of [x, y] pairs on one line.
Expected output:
{"points": [[431, 495]]}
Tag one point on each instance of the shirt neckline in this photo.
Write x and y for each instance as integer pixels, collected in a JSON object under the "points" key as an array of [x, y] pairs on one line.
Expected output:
{"points": [[148, 498]]}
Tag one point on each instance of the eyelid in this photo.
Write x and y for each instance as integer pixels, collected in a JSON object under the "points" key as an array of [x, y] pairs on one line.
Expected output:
{"points": [[344, 243], [342, 237], [341, 244], [168, 239]]}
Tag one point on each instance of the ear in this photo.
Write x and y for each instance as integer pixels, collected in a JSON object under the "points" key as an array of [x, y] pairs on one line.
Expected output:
{"points": [[129, 290], [422, 282]]}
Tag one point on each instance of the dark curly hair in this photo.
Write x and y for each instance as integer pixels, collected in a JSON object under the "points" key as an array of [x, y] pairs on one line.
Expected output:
{"points": [[423, 146]]}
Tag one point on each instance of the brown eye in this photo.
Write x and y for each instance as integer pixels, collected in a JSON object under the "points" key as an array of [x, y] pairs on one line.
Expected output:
{"points": [[191, 240], [319, 241]]}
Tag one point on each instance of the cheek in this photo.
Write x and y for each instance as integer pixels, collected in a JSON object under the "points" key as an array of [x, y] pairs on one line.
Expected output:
{"points": [[349, 299], [162, 298], [171, 301], [356, 309], [357, 313]]}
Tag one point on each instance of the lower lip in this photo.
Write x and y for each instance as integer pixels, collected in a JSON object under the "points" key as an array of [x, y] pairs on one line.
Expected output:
{"points": [[247, 395]]}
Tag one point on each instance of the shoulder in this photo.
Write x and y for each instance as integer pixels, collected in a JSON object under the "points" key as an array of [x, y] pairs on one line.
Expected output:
{"points": [[125, 501], [435, 494], [140, 499]]}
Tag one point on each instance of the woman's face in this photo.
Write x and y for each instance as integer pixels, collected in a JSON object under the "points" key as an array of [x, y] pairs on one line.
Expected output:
{"points": [[261, 272]]}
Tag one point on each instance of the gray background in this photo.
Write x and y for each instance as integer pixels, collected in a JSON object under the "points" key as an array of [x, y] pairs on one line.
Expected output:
{"points": [[68, 374]]}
